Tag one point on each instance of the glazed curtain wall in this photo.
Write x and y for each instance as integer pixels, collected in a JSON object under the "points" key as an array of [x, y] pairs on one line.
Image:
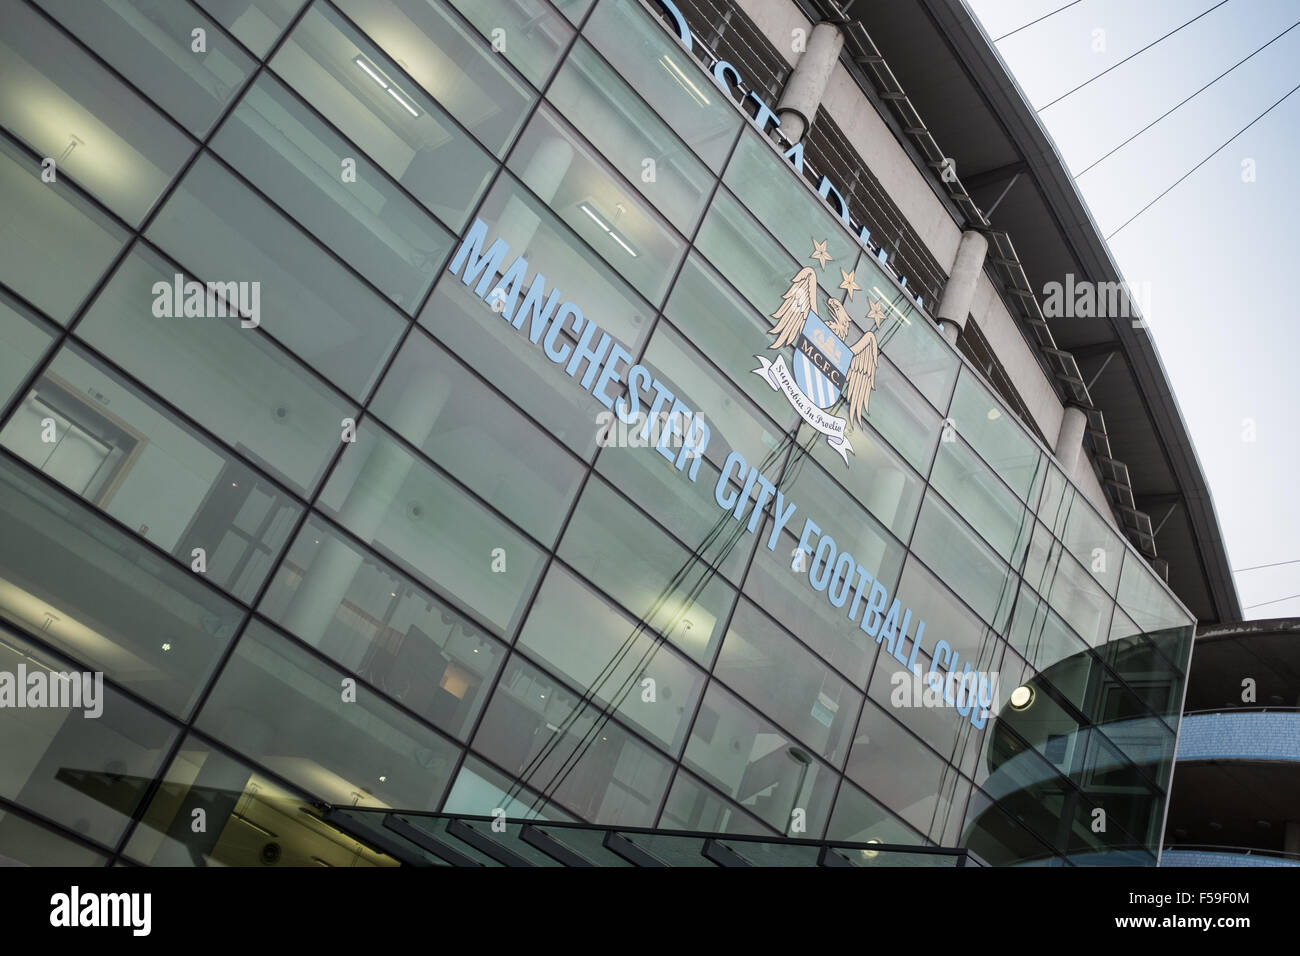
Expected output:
{"points": [[369, 546]]}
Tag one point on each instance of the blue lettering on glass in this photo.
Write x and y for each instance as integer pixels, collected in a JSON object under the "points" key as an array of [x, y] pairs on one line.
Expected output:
{"points": [[740, 488]]}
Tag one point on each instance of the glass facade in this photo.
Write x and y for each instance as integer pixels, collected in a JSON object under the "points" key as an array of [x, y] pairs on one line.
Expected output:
{"points": [[337, 531]]}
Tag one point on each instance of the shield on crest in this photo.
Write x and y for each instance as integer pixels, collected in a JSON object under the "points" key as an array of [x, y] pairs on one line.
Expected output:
{"points": [[821, 362]]}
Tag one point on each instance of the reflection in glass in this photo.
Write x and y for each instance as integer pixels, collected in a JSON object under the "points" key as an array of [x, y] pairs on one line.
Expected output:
{"points": [[249, 820], [381, 625], [294, 715], [348, 79]]}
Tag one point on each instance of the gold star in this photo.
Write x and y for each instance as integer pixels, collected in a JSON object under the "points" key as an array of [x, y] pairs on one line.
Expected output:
{"points": [[876, 312], [848, 285], [820, 254]]}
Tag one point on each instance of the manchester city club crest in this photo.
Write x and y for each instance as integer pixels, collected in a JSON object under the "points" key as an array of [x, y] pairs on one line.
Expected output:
{"points": [[826, 368]]}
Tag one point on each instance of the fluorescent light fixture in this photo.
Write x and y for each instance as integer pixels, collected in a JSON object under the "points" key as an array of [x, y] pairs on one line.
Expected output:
{"points": [[594, 218], [619, 239], [380, 77], [405, 104], [683, 80], [360, 61], [613, 233]]}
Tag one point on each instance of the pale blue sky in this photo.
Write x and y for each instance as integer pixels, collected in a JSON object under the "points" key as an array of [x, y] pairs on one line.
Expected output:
{"points": [[1220, 254]]}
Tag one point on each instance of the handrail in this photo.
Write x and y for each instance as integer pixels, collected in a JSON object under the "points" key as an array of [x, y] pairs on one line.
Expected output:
{"points": [[1226, 848]]}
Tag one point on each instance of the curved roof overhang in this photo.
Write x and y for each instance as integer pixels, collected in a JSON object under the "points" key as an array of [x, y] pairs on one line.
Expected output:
{"points": [[972, 107]]}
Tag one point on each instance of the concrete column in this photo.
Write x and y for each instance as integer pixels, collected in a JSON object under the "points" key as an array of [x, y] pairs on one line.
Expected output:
{"points": [[963, 278], [1069, 440], [803, 91]]}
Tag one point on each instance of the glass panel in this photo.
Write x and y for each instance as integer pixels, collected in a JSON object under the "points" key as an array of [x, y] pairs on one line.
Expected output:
{"points": [[575, 10], [688, 509], [905, 420], [25, 842], [746, 256], [152, 45], [759, 767], [1086, 536], [859, 819], [68, 108], [770, 670], [926, 795], [302, 165], [940, 725], [453, 65], [650, 574], [24, 339], [85, 766], [734, 423], [727, 330], [1069, 589], [325, 315], [693, 806], [598, 206], [257, 23], [995, 434], [981, 498], [998, 839], [514, 365], [1042, 638], [299, 718], [407, 511], [528, 33], [542, 735], [91, 591], [965, 563], [65, 243], [592, 645], [130, 458], [1052, 508], [1142, 597], [382, 626], [877, 478], [465, 426], [233, 381], [770, 188], [481, 790], [531, 230], [666, 75], [906, 334], [779, 582], [942, 618], [608, 112], [425, 151], [248, 820]]}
